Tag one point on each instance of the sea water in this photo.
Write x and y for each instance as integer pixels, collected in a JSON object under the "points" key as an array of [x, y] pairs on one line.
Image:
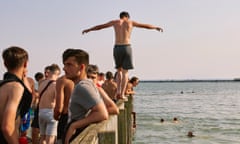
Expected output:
{"points": [[211, 110]]}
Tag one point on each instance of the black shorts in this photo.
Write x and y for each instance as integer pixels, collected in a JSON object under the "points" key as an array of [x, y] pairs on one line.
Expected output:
{"points": [[123, 56], [62, 123], [2, 138], [35, 123]]}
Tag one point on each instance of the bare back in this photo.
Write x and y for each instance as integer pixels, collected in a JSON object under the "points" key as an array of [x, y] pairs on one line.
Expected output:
{"points": [[110, 87], [10, 96], [64, 89], [48, 98], [123, 29]]}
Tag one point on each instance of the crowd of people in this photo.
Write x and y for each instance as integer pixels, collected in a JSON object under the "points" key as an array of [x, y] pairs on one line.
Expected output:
{"points": [[64, 105]]}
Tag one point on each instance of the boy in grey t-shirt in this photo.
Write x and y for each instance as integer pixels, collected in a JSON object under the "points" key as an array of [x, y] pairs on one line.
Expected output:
{"points": [[86, 105], [83, 98]]}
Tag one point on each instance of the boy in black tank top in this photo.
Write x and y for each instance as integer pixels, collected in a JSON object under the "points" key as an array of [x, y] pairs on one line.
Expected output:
{"points": [[15, 98]]}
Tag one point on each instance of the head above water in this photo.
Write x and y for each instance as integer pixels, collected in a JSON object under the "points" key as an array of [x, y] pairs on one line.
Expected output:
{"points": [[124, 14], [161, 120], [190, 134]]}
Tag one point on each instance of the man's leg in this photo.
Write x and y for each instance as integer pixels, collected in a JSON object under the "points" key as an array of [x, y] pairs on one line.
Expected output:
{"points": [[42, 139], [35, 135], [124, 82], [119, 82], [50, 139]]}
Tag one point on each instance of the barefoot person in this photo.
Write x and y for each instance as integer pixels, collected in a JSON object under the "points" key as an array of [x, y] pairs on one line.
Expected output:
{"points": [[122, 48], [15, 98]]}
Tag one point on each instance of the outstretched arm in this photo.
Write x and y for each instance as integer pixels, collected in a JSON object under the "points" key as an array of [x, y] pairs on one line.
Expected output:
{"points": [[147, 26], [98, 27]]}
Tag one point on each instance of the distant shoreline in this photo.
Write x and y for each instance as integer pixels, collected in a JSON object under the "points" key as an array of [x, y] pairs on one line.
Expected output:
{"points": [[181, 81]]}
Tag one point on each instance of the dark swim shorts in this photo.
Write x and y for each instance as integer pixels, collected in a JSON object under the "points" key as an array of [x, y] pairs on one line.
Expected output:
{"points": [[123, 56], [35, 123], [62, 123]]}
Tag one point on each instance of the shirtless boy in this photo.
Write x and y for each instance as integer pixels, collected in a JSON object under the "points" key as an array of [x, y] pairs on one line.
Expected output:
{"points": [[64, 88], [47, 100], [122, 49]]}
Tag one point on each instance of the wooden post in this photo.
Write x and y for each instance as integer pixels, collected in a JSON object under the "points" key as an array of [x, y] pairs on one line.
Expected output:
{"points": [[128, 107], [122, 128], [106, 137], [116, 130]]}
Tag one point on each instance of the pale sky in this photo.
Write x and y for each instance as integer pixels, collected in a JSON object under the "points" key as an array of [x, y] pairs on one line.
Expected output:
{"points": [[201, 38]]}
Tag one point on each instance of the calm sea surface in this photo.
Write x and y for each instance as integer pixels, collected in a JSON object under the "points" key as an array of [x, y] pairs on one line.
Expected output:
{"points": [[211, 110]]}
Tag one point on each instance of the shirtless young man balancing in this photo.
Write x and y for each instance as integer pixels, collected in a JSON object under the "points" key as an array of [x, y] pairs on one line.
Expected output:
{"points": [[122, 48]]}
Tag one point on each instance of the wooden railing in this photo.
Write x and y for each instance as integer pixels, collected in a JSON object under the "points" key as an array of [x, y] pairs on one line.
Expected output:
{"points": [[116, 130]]}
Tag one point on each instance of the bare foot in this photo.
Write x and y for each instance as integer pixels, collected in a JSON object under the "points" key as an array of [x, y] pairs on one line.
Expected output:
{"points": [[119, 96]]}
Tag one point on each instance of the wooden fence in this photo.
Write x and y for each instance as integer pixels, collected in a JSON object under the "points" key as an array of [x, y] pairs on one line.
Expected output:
{"points": [[118, 129]]}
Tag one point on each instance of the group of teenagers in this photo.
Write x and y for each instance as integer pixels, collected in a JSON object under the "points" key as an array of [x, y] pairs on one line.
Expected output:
{"points": [[63, 105], [69, 103]]}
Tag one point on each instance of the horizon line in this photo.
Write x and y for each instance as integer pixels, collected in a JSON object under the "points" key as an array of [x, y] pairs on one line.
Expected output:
{"points": [[193, 80]]}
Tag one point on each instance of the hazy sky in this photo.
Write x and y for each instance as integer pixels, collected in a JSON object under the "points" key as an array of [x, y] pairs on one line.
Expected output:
{"points": [[201, 38]]}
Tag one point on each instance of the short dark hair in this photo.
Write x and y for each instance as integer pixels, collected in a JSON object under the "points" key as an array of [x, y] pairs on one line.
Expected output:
{"points": [[133, 79], [92, 69], [38, 76], [46, 68], [80, 56], [124, 14], [14, 57], [109, 75], [53, 68]]}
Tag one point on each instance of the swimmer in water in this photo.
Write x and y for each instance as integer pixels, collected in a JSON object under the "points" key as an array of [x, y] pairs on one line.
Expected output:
{"points": [[190, 134], [162, 120], [175, 120]]}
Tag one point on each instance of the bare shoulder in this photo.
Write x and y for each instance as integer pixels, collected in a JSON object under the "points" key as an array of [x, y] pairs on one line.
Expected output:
{"points": [[13, 88], [134, 23], [114, 83], [60, 79], [65, 81], [115, 22], [14, 85], [30, 80]]}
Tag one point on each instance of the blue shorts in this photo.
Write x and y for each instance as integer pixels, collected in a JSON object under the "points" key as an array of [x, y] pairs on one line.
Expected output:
{"points": [[123, 56], [25, 122]]}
